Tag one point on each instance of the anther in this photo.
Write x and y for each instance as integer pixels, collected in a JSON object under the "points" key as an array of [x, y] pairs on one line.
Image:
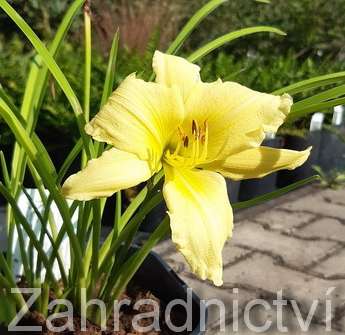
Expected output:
{"points": [[194, 128], [185, 142]]}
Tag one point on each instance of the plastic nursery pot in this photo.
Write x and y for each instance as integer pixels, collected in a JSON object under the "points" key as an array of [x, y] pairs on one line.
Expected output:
{"points": [[154, 218], [332, 152], [233, 190], [286, 177], [255, 187], [157, 277]]}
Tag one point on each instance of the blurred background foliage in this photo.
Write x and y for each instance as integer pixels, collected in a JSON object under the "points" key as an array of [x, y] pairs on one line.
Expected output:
{"points": [[314, 45]]}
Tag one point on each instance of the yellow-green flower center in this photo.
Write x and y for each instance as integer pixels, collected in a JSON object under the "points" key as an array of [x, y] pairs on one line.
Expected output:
{"points": [[190, 148]]}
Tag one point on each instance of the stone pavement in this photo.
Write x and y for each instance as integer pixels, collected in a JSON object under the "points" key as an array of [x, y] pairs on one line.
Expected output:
{"points": [[296, 245]]}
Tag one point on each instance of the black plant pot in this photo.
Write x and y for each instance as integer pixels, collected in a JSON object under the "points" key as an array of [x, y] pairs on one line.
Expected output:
{"points": [[332, 152], [157, 277], [287, 177], [233, 190], [154, 218], [164, 283], [255, 187]]}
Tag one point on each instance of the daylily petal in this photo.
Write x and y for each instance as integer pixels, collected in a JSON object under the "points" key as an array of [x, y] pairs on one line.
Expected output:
{"points": [[113, 171], [237, 116], [139, 117], [258, 162], [201, 218], [175, 71]]}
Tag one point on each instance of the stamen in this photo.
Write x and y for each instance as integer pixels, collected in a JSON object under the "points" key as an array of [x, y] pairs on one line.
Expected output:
{"points": [[194, 128], [189, 154], [204, 141], [192, 158], [197, 151], [186, 142]]}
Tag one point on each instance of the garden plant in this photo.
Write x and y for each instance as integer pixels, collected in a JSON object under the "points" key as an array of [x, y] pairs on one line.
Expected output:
{"points": [[174, 135]]}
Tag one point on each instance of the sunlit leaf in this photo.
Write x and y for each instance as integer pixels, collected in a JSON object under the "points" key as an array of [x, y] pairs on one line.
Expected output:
{"points": [[220, 41]]}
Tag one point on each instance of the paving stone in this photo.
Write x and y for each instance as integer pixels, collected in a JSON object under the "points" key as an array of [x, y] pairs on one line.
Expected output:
{"points": [[262, 259], [333, 266], [232, 253], [260, 271], [225, 295], [281, 220], [260, 320], [341, 322], [295, 252], [334, 196], [317, 205], [324, 228], [165, 247], [176, 260]]}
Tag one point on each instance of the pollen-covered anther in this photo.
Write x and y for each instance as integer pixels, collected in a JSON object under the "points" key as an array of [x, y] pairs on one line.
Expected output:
{"points": [[195, 129], [185, 141]]}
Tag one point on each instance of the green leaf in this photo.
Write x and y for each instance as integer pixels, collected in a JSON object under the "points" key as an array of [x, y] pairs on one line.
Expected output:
{"points": [[129, 212], [7, 285], [128, 230], [275, 194], [193, 23], [318, 107], [87, 63], [329, 94], [35, 89], [54, 69], [111, 69], [311, 83], [109, 80], [42, 166], [46, 232], [220, 41], [7, 309], [32, 235], [4, 169], [128, 269], [7, 98], [69, 160]]}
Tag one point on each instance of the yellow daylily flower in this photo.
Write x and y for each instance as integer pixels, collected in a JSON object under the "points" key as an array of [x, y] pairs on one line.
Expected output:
{"points": [[198, 132]]}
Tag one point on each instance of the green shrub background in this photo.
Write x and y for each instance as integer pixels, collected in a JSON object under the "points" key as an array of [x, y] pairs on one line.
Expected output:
{"points": [[315, 45]]}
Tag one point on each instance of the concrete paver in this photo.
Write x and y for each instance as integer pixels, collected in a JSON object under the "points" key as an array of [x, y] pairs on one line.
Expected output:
{"points": [[325, 228], [298, 247]]}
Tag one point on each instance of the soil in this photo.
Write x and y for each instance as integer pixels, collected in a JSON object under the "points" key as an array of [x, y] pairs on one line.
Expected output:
{"points": [[127, 313]]}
